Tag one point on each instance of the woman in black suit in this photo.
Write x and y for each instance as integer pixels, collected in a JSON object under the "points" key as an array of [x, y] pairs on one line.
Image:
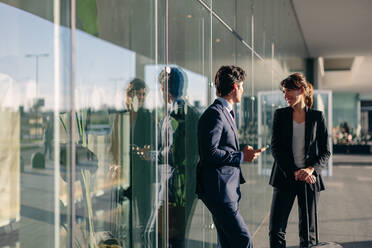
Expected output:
{"points": [[300, 149]]}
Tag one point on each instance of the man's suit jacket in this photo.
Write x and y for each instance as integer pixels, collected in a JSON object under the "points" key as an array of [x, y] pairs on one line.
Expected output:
{"points": [[218, 172], [316, 148]]}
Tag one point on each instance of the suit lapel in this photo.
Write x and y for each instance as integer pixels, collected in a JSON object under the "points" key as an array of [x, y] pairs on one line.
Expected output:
{"points": [[290, 126], [231, 122]]}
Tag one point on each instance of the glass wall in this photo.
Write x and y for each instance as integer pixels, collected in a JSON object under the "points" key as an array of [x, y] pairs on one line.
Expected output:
{"points": [[99, 105]]}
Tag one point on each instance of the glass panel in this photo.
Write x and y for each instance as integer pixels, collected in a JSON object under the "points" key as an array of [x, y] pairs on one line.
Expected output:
{"points": [[323, 102], [134, 123], [225, 10], [259, 13], [224, 45], [244, 12], [117, 102], [28, 110], [104, 134], [189, 58]]}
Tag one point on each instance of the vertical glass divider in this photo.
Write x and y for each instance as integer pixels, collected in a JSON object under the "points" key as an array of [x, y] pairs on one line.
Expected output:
{"points": [[72, 166], [259, 130], [210, 83], [330, 128], [235, 55], [56, 40], [203, 49], [203, 73], [156, 117], [165, 230], [252, 66]]}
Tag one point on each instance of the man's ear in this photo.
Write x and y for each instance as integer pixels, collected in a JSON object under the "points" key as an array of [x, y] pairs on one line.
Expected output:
{"points": [[236, 87]]}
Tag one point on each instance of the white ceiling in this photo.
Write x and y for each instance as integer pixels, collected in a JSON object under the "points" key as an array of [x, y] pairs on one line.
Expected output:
{"points": [[339, 28], [336, 27]]}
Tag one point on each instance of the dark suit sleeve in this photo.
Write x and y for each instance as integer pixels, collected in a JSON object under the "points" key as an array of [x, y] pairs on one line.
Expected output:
{"points": [[210, 132], [277, 151], [319, 162]]}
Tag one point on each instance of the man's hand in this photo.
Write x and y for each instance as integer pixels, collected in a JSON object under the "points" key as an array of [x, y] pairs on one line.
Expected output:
{"points": [[303, 174], [250, 154]]}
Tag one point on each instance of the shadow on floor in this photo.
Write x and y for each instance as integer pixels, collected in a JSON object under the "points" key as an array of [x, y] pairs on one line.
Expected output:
{"points": [[356, 244]]}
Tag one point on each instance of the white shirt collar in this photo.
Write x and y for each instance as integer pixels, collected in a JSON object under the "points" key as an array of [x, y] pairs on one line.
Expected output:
{"points": [[225, 103]]}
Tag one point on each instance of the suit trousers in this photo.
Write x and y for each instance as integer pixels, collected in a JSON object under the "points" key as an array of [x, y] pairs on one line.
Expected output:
{"points": [[281, 207], [232, 231]]}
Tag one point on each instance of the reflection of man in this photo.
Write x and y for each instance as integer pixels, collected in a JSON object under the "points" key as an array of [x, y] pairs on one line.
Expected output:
{"points": [[219, 174], [178, 154]]}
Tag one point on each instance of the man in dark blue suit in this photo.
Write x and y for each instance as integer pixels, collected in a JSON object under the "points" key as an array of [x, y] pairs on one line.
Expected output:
{"points": [[218, 173]]}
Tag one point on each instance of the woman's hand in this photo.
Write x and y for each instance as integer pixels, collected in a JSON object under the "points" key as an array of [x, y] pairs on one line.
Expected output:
{"points": [[310, 179], [303, 174], [114, 171]]}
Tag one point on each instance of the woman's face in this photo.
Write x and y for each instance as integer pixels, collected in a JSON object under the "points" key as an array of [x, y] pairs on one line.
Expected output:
{"points": [[293, 96], [141, 94]]}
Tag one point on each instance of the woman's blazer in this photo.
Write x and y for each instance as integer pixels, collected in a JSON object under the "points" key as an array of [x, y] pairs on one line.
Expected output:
{"points": [[316, 148]]}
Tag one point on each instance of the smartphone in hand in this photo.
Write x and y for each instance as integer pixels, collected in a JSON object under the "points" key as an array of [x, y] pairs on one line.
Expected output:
{"points": [[262, 149]]}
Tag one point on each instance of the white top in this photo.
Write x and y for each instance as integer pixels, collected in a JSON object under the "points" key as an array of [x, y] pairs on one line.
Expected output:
{"points": [[298, 144]]}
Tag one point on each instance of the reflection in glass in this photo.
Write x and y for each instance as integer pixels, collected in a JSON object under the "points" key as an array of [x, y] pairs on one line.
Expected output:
{"points": [[135, 152], [26, 175], [178, 153], [141, 123]]}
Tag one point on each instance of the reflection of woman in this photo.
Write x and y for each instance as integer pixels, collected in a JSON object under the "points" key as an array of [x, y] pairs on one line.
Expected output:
{"points": [[300, 150], [141, 124]]}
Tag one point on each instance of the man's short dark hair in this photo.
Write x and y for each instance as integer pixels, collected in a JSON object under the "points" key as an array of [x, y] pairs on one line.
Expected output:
{"points": [[225, 78]]}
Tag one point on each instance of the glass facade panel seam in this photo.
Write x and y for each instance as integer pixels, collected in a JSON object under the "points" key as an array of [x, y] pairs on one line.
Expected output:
{"points": [[72, 148], [57, 89]]}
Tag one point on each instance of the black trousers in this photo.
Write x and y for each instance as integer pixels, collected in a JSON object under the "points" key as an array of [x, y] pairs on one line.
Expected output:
{"points": [[281, 207], [232, 231]]}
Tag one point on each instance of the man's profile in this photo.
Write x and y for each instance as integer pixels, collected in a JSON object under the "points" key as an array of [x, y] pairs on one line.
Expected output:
{"points": [[218, 173]]}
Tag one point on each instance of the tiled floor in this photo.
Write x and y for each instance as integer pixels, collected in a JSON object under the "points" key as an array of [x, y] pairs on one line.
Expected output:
{"points": [[345, 208]]}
